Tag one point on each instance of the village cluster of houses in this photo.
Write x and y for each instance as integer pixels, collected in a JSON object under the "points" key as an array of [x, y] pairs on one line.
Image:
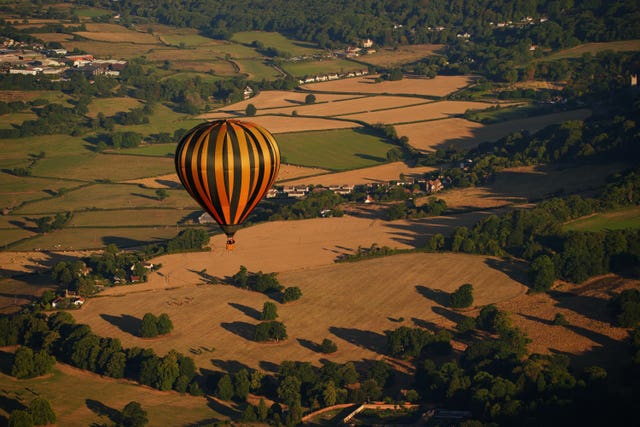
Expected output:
{"points": [[55, 62], [332, 76]]}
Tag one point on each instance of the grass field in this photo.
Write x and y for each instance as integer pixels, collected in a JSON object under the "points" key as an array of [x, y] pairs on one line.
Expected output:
{"points": [[256, 69], [334, 150], [72, 238], [593, 48], [110, 106], [160, 150], [14, 120], [310, 68], [277, 41], [91, 12], [390, 57], [615, 220], [163, 119], [109, 196], [95, 400], [30, 95], [131, 217]]}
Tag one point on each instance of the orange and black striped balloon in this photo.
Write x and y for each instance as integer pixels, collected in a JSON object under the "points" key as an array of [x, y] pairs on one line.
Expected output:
{"points": [[228, 166]]}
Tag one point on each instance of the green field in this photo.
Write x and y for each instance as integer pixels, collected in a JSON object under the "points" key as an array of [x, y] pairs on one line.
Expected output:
{"points": [[188, 40], [593, 48], [109, 196], [257, 69], [307, 68], [15, 190], [13, 120], [131, 217], [163, 119], [13, 235], [111, 106], [277, 41], [615, 220], [91, 12], [334, 149], [93, 238], [160, 150]]}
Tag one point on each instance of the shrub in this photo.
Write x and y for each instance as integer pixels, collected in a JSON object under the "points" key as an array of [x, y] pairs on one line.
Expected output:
{"points": [[462, 297], [328, 346], [291, 294]]}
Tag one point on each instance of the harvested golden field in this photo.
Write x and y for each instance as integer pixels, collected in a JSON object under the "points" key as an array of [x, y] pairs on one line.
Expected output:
{"points": [[351, 303], [438, 86], [586, 309], [283, 124], [269, 99], [382, 173], [530, 183], [390, 57], [464, 134], [428, 111], [352, 106]]}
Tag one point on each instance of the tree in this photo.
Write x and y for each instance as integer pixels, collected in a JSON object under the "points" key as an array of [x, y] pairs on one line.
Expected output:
{"points": [[23, 363], [164, 324], [328, 346], [310, 99], [149, 326], [224, 390], [462, 297], [542, 273], [133, 415], [162, 193], [269, 331], [269, 311], [41, 411], [20, 418], [241, 384], [251, 110], [291, 294]]}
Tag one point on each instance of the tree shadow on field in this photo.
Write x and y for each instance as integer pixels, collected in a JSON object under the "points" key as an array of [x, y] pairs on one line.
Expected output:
{"points": [[170, 184], [448, 314], [125, 322], [229, 366], [241, 329], [222, 409], [101, 409], [6, 362], [370, 157], [249, 311], [435, 295], [122, 242], [269, 366], [366, 339], [10, 405], [590, 306], [516, 270], [426, 324], [309, 344]]}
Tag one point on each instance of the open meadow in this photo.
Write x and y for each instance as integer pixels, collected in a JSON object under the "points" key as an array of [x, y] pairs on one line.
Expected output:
{"points": [[398, 55], [333, 149], [270, 39], [615, 220], [436, 87]]}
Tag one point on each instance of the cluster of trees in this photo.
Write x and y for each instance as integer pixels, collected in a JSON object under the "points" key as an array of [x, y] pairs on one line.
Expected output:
{"points": [[38, 413], [45, 224], [270, 330], [44, 339], [409, 209], [152, 326], [626, 308], [462, 297], [27, 364], [405, 342], [311, 206], [266, 283]]}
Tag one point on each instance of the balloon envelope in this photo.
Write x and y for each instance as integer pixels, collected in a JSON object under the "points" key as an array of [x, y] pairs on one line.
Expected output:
{"points": [[228, 166]]}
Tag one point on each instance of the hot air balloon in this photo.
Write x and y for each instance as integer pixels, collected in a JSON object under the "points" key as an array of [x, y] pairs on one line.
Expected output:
{"points": [[228, 166]]}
